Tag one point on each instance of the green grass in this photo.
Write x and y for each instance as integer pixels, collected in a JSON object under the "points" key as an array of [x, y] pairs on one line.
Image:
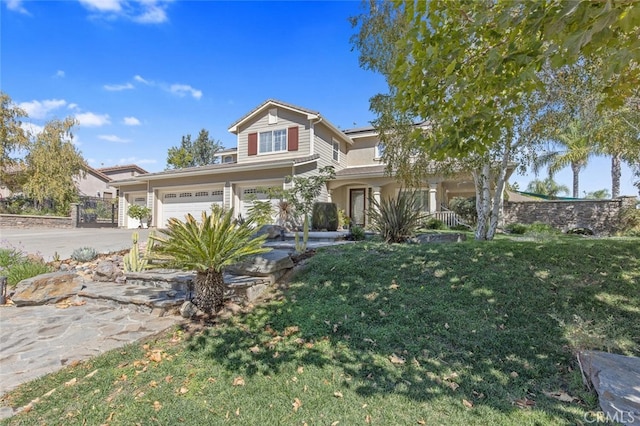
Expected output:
{"points": [[462, 333], [17, 267]]}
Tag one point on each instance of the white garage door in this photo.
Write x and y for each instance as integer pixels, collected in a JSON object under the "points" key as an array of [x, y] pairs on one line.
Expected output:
{"points": [[248, 195], [179, 203]]}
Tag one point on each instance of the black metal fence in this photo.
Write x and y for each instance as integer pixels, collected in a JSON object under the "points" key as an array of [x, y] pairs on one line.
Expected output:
{"points": [[94, 212]]}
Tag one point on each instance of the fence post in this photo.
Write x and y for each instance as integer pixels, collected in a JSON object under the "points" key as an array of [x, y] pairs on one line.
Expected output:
{"points": [[3, 290], [75, 215]]}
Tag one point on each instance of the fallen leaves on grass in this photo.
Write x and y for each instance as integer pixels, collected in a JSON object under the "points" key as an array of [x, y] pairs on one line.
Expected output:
{"points": [[524, 403], [561, 396], [467, 403], [296, 404], [71, 382], [337, 394], [156, 405], [395, 359], [238, 381]]}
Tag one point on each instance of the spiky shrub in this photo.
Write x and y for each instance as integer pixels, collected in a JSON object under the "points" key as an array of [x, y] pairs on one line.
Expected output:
{"points": [[396, 219], [324, 216], [357, 233], [207, 246], [433, 223], [84, 254]]}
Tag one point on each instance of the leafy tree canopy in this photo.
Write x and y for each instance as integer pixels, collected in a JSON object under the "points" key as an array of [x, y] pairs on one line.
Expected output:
{"points": [[199, 152], [53, 162], [13, 139]]}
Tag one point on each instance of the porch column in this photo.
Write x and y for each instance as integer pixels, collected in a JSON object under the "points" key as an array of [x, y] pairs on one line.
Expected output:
{"points": [[432, 198], [375, 193], [329, 195]]}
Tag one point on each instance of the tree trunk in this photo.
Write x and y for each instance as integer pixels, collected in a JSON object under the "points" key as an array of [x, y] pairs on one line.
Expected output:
{"points": [[483, 200], [575, 168], [615, 175], [209, 291]]}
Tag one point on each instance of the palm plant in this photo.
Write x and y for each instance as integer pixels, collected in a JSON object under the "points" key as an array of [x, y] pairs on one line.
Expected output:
{"points": [[207, 246], [547, 187], [576, 148]]}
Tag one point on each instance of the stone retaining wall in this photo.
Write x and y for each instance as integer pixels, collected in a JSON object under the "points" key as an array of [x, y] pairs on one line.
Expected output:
{"points": [[23, 221], [601, 216]]}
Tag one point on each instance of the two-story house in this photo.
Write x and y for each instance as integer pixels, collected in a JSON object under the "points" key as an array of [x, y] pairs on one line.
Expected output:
{"points": [[274, 141]]}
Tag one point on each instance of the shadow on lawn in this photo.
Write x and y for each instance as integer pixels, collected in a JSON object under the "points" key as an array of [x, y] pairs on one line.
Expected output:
{"points": [[486, 323]]}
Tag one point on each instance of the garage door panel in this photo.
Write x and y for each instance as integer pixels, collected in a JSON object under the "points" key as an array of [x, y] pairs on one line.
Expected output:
{"points": [[180, 203]]}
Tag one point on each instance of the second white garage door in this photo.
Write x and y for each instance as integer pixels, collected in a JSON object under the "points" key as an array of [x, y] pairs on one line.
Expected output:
{"points": [[179, 203]]}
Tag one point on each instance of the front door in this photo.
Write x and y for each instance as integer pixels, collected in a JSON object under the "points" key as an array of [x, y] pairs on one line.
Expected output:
{"points": [[357, 206]]}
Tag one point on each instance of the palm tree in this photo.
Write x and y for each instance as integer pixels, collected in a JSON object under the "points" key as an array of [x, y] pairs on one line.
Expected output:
{"points": [[576, 148], [207, 247], [548, 187]]}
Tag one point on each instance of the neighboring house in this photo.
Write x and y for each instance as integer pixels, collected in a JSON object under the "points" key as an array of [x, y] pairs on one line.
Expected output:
{"points": [[276, 140], [97, 182]]}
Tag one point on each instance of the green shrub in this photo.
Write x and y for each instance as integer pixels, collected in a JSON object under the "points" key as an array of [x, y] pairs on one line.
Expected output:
{"points": [[357, 233], [9, 257], [138, 212], [539, 227], [630, 221], [396, 219], [84, 254], [516, 228], [324, 216], [26, 269], [343, 220], [433, 223], [465, 208], [260, 212]]}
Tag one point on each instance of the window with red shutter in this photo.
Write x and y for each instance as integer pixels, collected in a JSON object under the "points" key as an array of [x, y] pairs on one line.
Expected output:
{"points": [[293, 139], [253, 144]]}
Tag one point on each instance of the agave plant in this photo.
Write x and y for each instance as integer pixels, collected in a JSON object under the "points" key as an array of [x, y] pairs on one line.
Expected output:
{"points": [[396, 219], [207, 246]]}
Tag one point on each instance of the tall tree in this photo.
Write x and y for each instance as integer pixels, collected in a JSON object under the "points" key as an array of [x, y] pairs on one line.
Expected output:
{"points": [[575, 150], [13, 139], [470, 67], [53, 164], [199, 152]]}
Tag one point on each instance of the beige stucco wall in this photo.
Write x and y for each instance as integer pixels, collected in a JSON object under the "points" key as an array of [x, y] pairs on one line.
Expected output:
{"points": [[363, 152]]}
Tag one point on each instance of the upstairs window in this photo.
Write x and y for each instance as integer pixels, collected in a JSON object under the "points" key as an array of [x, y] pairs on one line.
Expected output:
{"points": [[272, 141], [336, 150], [379, 150]]}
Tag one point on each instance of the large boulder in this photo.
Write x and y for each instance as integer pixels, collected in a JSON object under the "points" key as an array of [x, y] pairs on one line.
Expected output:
{"points": [[272, 231], [263, 265], [107, 271], [47, 288], [615, 378]]}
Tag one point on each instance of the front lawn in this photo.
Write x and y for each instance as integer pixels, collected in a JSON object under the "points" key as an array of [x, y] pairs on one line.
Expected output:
{"points": [[467, 333]]}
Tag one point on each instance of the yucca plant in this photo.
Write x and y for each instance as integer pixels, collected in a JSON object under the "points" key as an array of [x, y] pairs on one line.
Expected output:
{"points": [[396, 219], [207, 246]]}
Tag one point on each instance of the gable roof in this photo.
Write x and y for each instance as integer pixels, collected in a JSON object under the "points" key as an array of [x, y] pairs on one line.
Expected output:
{"points": [[273, 103], [133, 167], [97, 173]]}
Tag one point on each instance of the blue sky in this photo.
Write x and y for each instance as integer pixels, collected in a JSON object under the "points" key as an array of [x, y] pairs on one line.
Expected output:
{"points": [[139, 75]]}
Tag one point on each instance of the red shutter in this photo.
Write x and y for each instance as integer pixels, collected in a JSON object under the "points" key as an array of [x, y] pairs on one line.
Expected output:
{"points": [[253, 144], [292, 143]]}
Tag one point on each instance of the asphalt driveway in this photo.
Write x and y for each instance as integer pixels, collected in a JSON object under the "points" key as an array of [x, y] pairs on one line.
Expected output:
{"points": [[47, 242]]}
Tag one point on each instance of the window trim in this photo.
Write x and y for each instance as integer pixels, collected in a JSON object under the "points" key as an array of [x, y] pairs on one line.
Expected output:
{"points": [[272, 132], [335, 147]]}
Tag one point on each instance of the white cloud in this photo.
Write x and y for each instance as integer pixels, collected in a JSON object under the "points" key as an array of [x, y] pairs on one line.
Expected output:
{"points": [[113, 138], [72, 106], [40, 109], [131, 121], [32, 129], [102, 5], [141, 80], [59, 74], [16, 6], [152, 14], [184, 89], [140, 11], [118, 87], [90, 119]]}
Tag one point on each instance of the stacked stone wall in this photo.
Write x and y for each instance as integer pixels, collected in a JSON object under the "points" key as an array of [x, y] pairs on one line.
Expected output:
{"points": [[23, 221], [600, 216]]}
